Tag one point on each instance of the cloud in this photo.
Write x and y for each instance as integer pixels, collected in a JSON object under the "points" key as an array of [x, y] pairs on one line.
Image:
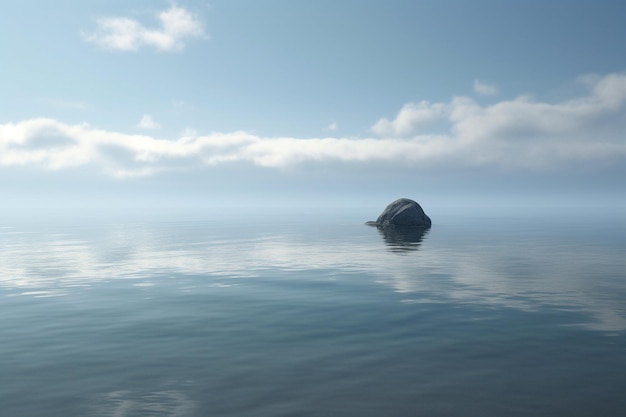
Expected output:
{"points": [[122, 33], [332, 127], [411, 117], [513, 134], [147, 122], [485, 89]]}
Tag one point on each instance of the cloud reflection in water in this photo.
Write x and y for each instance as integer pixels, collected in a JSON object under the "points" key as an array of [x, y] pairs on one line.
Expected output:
{"points": [[454, 264]]}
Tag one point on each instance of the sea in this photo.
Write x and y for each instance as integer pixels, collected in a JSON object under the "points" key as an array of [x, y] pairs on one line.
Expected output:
{"points": [[307, 313]]}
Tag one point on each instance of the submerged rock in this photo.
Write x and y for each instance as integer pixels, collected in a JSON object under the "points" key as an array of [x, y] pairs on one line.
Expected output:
{"points": [[401, 213]]}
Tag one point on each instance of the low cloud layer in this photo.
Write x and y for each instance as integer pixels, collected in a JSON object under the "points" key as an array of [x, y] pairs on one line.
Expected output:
{"points": [[122, 33], [519, 134]]}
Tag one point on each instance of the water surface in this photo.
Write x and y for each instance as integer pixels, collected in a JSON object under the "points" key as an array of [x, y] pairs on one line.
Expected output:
{"points": [[480, 316]]}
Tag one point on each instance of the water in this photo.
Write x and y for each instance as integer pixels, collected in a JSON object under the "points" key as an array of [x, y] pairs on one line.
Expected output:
{"points": [[311, 316]]}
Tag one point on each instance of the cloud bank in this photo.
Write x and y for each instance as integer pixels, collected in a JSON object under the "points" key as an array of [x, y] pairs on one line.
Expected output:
{"points": [[125, 34], [513, 134]]}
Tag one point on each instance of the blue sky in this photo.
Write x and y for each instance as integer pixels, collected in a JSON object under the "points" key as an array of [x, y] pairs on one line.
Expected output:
{"points": [[324, 102]]}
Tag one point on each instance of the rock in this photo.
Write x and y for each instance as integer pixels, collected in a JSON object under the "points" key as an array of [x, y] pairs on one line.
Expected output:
{"points": [[402, 212]]}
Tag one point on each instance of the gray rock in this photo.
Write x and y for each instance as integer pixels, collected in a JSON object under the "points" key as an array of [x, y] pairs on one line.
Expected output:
{"points": [[402, 212]]}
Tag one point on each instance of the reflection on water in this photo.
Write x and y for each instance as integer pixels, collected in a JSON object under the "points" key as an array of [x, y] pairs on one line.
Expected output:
{"points": [[203, 318], [153, 404], [475, 264], [400, 239]]}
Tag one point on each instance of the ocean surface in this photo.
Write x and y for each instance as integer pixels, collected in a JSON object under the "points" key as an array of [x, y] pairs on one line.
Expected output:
{"points": [[313, 315]]}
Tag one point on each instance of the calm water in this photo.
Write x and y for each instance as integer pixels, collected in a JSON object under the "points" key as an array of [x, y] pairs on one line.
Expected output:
{"points": [[481, 316]]}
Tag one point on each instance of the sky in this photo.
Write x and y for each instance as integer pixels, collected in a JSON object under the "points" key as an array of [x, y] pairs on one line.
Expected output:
{"points": [[313, 103]]}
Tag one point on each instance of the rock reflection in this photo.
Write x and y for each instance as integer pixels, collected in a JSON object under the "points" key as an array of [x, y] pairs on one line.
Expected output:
{"points": [[403, 239]]}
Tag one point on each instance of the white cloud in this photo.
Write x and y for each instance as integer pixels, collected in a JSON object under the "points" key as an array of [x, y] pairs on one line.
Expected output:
{"points": [[332, 127], [411, 117], [485, 89], [188, 133], [514, 134], [147, 122], [122, 33]]}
